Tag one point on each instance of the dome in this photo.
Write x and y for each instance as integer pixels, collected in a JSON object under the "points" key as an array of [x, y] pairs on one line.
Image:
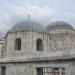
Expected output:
{"points": [[59, 24], [27, 25]]}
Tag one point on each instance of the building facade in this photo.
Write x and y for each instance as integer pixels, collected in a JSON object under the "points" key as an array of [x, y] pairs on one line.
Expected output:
{"points": [[28, 48]]}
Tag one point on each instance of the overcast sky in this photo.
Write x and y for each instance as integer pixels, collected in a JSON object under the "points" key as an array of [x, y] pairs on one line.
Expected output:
{"points": [[42, 11]]}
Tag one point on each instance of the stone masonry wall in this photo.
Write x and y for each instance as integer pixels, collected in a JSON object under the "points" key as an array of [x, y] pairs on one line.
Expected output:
{"points": [[28, 44]]}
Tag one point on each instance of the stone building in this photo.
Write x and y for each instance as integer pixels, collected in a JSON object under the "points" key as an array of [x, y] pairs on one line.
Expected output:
{"points": [[28, 48]]}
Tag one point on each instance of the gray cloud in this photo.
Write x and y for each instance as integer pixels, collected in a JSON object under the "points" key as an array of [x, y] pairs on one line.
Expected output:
{"points": [[18, 13], [70, 17]]}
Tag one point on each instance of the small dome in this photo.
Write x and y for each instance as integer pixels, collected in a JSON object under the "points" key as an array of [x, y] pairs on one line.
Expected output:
{"points": [[59, 24], [27, 25]]}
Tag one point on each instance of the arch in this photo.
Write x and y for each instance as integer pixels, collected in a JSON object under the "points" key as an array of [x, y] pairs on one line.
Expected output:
{"points": [[39, 45], [18, 44]]}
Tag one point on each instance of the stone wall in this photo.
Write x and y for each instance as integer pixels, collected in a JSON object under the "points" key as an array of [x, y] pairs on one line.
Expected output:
{"points": [[2, 47], [30, 68], [61, 30], [62, 39], [55, 40], [19, 69], [28, 42]]}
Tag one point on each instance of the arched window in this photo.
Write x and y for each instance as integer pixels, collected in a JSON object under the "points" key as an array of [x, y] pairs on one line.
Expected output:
{"points": [[18, 44], [39, 45]]}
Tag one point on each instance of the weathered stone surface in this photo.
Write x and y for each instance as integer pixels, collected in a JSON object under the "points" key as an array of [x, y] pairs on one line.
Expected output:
{"points": [[58, 51]]}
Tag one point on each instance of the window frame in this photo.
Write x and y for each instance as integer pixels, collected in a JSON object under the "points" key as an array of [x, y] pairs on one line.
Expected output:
{"points": [[18, 44], [38, 42]]}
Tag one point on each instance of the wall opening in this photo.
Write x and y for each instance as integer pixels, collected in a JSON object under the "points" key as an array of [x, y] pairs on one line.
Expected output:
{"points": [[18, 44], [39, 45], [3, 70]]}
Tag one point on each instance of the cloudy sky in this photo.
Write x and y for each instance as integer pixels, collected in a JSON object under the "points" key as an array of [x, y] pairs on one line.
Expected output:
{"points": [[42, 11]]}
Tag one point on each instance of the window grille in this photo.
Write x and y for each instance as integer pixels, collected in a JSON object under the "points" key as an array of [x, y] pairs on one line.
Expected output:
{"points": [[3, 70], [51, 71]]}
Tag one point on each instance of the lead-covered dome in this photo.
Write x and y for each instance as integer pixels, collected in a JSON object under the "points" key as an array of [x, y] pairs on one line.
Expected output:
{"points": [[59, 24], [27, 25]]}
